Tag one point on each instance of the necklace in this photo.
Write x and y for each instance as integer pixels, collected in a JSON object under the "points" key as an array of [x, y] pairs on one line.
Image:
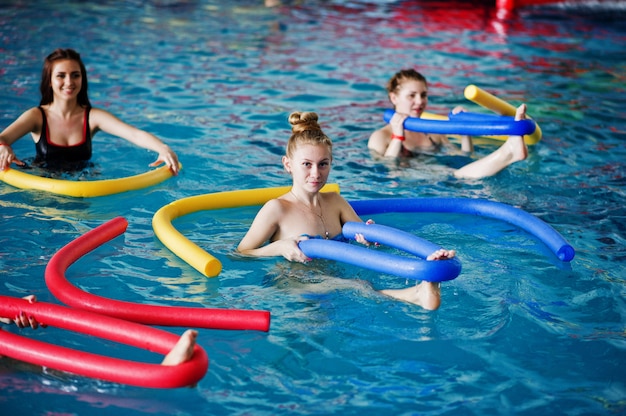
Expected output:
{"points": [[320, 215]]}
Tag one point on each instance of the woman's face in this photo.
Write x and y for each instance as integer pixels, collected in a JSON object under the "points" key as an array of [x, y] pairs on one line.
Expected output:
{"points": [[66, 80], [309, 166], [410, 98]]}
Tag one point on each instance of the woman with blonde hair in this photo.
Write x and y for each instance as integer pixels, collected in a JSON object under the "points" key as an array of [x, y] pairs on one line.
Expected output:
{"points": [[305, 212]]}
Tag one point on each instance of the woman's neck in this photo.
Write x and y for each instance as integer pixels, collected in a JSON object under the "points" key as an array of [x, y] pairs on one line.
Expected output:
{"points": [[305, 198], [64, 108]]}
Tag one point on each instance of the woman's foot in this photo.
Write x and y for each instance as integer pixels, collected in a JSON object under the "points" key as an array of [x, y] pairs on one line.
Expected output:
{"points": [[426, 294], [513, 150], [515, 144], [183, 350], [442, 254]]}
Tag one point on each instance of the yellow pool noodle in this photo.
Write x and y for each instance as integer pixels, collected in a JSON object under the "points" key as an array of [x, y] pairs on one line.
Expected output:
{"points": [[495, 104]]}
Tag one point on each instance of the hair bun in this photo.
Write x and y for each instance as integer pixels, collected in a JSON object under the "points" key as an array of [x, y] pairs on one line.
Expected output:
{"points": [[303, 121]]}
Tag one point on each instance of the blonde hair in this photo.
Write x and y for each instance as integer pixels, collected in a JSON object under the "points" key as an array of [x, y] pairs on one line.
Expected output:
{"points": [[306, 130]]}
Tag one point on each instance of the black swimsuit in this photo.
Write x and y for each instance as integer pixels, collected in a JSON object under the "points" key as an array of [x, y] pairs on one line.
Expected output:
{"points": [[50, 153], [436, 147]]}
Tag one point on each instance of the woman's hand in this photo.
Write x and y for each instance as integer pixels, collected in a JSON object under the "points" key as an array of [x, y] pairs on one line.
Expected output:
{"points": [[168, 157], [22, 321], [458, 109], [360, 238], [291, 251], [397, 124], [7, 156], [467, 144]]}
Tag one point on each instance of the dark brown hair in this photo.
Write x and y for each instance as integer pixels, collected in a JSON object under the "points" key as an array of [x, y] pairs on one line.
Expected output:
{"points": [[404, 75]]}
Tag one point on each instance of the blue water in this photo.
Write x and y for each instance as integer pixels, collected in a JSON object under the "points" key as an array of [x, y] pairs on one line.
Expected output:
{"points": [[518, 331]]}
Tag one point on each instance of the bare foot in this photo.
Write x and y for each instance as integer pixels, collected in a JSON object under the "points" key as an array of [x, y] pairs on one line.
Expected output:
{"points": [[441, 254], [516, 145], [183, 349], [426, 294], [513, 150]]}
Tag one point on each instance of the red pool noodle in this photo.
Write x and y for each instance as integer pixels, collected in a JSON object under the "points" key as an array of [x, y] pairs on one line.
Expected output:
{"points": [[60, 287], [93, 365]]}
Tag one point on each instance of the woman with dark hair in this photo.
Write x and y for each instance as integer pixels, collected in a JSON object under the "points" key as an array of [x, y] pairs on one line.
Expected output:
{"points": [[45, 87], [64, 123]]}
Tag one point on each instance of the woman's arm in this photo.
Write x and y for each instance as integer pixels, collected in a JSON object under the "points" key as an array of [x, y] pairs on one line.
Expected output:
{"points": [[265, 225], [467, 145], [28, 122], [387, 140], [103, 120], [378, 141], [349, 215]]}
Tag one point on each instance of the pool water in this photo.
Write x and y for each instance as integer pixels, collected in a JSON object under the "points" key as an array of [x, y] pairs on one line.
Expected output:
{"points": [[518, 331]]}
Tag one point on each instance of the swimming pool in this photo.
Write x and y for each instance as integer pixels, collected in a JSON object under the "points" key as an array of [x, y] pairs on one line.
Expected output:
{"points": [[517, 332]]}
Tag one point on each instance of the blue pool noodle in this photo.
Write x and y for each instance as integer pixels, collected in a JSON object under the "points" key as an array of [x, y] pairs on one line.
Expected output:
{"points": [[415, 268], [470, 124], [481, 207]]}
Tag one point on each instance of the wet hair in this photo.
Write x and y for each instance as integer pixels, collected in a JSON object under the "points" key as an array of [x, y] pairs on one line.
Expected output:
{"points": [[46, 76], [404, 75], [306, 130]]}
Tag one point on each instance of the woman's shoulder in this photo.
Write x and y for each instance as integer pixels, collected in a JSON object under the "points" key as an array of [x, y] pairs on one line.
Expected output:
{"points": [[98, 112], [101, 113], [32, 116], [101, 119], [383, 133], [33, 111], [333, 199], [379, 139], [331, 196], [276, 206]]}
